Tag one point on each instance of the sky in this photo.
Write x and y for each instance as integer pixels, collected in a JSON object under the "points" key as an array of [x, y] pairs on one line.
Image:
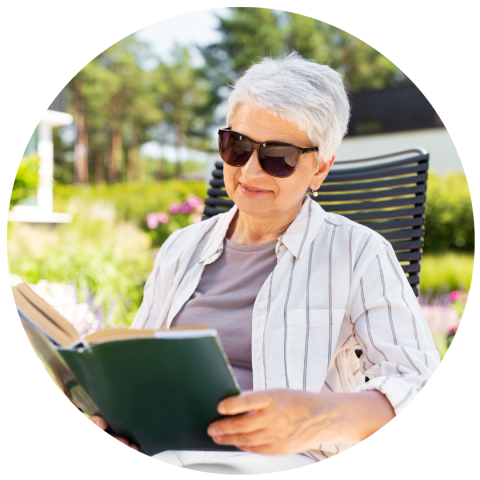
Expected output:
{"points": [[188, 29]]}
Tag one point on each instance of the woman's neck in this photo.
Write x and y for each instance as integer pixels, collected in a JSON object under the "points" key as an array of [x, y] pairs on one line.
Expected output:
{"points": [[251, 230]]}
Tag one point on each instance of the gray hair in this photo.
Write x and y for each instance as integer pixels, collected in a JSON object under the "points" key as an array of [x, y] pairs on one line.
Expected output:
{"points": [[300, 91]]}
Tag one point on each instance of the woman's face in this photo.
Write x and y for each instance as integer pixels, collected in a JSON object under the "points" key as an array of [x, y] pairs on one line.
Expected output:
{"points": [[255, 192]]}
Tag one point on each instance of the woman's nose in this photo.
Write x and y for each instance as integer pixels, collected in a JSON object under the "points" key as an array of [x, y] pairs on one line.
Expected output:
{"points": [[252, 168]]}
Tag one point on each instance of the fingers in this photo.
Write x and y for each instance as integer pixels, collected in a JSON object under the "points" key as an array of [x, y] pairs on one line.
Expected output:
{"points": [[126, 442], [99, 421], [245, 402], [247, 423], [254, 439]]}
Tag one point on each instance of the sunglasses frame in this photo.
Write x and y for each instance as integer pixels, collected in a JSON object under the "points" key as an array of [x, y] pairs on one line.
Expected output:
{"points": [[256, 146]]}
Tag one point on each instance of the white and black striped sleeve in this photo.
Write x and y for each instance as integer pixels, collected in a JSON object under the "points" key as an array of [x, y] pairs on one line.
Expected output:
{"points": [[399, 354]]}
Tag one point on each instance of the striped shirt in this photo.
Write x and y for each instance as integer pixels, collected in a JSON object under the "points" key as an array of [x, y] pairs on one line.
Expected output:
{"points": [[337, 287]]}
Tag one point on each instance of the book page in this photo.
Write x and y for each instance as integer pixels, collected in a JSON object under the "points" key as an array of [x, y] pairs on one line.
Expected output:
{"points": [[112, 334], [44, 323], [62, 331], [40, 304]]}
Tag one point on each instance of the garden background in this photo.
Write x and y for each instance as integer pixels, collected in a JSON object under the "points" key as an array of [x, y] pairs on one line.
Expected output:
{"points": [[131, 168]]}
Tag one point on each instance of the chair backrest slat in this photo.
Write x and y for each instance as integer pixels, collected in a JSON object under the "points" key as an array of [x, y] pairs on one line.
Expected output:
{"points": [[402, 246], [403, 234], [386, 193], [403, 212], [407, 180], [394, 224], [339, 176], [363, 206], [418, 158]]}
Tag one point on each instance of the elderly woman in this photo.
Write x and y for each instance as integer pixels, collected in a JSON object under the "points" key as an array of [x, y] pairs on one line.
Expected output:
{"points": [[292, 290]]}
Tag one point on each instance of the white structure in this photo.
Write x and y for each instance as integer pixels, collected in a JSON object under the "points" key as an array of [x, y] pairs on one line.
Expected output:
{"points": [[43, 211], [436, 141]]}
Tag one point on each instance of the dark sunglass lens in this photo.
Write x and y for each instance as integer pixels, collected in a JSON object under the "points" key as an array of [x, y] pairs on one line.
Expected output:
{"points": [[234, 151], [279, 161]]}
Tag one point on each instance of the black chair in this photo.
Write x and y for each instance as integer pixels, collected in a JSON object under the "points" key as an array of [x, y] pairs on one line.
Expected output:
{"points": [[386, 193]]}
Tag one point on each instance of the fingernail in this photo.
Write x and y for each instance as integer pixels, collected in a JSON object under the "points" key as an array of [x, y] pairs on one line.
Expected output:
{"points": [[221, 409], [217, 439], [211, 431]]}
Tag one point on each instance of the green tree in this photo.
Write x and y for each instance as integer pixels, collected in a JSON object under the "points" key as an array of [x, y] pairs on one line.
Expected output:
{"points": [[184, 96], [247, 35], [311, 38], [250, 33], [114, 108]]}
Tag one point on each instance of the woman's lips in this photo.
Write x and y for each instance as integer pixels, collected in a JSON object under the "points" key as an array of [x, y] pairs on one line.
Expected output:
{"points": [[252, 191]]}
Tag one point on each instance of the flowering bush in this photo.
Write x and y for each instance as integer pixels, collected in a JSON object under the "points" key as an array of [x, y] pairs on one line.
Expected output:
{"points": [[458, 301], [160, 224], [443, 314]]}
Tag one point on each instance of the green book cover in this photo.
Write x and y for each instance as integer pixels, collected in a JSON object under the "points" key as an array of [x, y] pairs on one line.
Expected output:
{"points": [[160, 393]]}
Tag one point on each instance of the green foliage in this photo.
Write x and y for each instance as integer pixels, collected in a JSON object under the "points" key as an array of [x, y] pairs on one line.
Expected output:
{"points": [[443, 273], [131, 201], [250, 33], [115, 98], [184, 96], [26, 180], [449, 214], [107, 250], [110, 260], [160, 169], [362, 66]]}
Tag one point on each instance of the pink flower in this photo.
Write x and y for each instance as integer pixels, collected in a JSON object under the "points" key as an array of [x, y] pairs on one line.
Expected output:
{"points": [[185, 208], [152, 221], [452, 296], [194, 201], [451, 330], [174, 208], [163, 218]]}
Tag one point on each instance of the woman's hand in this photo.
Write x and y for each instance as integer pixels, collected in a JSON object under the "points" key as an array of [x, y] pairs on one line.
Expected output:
{"points": [[271, 422], [282, 422], [100, 422]]}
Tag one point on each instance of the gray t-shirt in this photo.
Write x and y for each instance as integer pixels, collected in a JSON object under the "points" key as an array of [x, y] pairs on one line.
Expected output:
{"points": [[224, 300]]}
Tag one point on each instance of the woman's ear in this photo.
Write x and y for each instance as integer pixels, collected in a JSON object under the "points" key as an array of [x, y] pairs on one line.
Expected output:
{"points": [[323, 169]]}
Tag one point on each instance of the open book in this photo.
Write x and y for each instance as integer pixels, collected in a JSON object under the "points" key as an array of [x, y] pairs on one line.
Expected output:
{"points": [[158, 388]]}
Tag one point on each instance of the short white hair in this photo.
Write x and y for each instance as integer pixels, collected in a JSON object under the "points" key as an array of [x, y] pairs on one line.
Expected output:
{"points": [[300, 91]]}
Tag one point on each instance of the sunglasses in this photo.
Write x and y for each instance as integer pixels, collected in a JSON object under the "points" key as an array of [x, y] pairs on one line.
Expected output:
{"points": [[276, 158]]}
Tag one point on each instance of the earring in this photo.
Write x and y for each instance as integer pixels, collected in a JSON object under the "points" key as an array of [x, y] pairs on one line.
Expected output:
{"points": [[315, 193]]}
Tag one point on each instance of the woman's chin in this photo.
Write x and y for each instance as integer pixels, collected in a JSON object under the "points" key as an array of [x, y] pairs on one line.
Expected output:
{"points": [[255, 207]]}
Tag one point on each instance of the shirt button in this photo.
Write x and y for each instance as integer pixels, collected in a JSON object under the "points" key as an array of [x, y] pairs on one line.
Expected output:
{"points": [[261, 306]]}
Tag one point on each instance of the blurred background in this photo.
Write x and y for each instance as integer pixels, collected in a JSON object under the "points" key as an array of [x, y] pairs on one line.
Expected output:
{"points": [[123, 156]]}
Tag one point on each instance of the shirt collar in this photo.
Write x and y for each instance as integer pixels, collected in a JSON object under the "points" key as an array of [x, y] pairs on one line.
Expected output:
{"points": [[297, 238], [301, 232]]}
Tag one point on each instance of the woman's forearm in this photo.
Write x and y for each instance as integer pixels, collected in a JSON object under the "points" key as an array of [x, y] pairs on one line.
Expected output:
{"points": [[352, 417]]}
